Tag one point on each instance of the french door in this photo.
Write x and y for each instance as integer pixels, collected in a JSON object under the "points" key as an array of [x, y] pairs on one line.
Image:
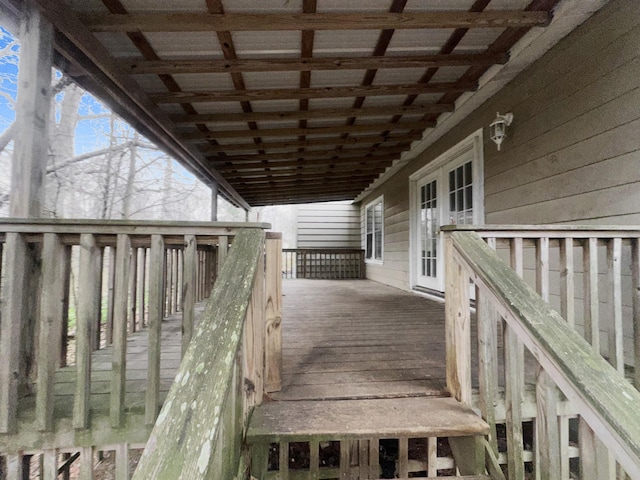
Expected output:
{"points": [[445, 194]]}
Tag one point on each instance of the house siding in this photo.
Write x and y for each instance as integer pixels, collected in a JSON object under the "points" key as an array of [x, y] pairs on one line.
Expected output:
{"points": [[328, 225], [572, 154]]}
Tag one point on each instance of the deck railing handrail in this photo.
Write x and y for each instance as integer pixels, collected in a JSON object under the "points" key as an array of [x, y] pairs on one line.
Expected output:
{"points": [[602, 397], [206, 407]]}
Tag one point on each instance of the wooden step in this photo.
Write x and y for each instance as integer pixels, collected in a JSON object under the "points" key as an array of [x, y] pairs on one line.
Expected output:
{"points": [[353, 419]]}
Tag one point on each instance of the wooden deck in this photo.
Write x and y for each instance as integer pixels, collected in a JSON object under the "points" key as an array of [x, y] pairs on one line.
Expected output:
{"points": [[359, 339]]}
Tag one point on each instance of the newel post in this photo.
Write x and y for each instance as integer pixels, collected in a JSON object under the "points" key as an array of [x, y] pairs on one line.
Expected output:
{"points": [[273, 315], [457, 326]]}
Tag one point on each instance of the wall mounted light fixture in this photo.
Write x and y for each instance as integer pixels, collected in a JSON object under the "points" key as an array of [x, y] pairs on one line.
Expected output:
{"points": [[498, 128]]}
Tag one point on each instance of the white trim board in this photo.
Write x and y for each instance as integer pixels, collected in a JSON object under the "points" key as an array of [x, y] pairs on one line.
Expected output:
{"points": [[567, 16]]}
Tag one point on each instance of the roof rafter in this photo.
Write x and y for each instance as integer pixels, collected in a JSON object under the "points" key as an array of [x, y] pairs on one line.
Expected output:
{"points": [[243, 22], [340, 155], [284, 132], [304, 64], [318, 92], [372, 161]]}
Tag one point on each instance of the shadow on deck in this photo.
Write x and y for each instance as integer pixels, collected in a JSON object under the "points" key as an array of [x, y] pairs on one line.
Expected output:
{"points": [[359, 339]]}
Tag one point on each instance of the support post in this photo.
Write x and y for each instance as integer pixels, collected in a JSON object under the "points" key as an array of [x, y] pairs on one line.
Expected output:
{"points": [[189, 289], [273, 287], [214, 202], [457, 327], [157, 260]]}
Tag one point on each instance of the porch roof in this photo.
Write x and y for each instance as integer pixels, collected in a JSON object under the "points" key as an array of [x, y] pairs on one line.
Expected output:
{"points": [[298, 100]]}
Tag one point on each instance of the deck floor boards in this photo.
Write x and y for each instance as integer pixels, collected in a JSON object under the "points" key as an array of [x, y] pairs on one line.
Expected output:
{"points": [[359, 339]]}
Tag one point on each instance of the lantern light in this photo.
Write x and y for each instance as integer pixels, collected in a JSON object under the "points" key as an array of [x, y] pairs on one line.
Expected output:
{"points": [[498, 128]]}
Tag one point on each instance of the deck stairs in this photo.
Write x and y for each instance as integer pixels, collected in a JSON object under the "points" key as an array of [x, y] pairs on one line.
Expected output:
{"points": [[366, 439]]}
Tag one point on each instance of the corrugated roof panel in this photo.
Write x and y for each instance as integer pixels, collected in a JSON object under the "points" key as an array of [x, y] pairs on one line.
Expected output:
{"points": [[288, 80], [151, 83], [267, 44], [191, 82], [185, 44], [219, 107], [478, 39], [337, 78], [164, 5], [118, 44], [392, 76], [328, 43], [266, 6], [418, 41]]}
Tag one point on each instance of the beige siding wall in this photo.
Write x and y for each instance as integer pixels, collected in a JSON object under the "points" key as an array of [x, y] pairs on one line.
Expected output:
{"points": [[573, 152], [328, 225]]}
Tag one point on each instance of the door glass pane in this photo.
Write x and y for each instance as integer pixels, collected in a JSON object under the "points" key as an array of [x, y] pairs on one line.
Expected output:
{"points": [[429, 224], [461, 194]]}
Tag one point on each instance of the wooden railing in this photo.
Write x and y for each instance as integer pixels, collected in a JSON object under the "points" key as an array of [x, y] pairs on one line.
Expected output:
{"points": [[200, 429], [323, 263], [112, 278], [573, 385]]}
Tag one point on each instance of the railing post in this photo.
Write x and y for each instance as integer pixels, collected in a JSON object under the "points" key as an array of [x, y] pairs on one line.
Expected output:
{"points": [[457, 327], [254, 340], [189, 289], [273, 331], [12, 326]]}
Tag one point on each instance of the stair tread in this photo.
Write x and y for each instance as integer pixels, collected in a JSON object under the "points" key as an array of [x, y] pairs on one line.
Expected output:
{"points": [[377, 418]]}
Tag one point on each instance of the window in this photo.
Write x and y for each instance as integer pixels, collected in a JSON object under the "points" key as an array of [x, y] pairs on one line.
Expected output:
{"points": [[373, 230]]}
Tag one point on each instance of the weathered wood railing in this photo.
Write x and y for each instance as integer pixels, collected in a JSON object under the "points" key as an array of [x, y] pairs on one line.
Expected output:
{"points": [[571, 379], [112, 278], [323, 263], [200, 429]]}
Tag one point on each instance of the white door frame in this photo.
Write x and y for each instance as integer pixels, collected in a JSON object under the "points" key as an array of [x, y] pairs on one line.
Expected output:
{"points": [[442, 164]]}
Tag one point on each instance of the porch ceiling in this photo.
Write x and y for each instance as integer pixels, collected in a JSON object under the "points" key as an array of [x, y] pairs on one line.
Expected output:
{"points": [[286, 101]]}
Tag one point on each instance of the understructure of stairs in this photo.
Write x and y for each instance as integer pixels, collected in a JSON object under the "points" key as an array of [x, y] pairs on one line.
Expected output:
{"points": [[417, 437]]}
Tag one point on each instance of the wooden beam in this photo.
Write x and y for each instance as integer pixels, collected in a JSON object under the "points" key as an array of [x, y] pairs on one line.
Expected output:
{"points": [[318, 92], [290, 144], [246, 177], [297, 199], [313, 114], [284, 132], [341, 155], [368, 161], [243, 22], [296, 181], [136, 66], [311, 190]]}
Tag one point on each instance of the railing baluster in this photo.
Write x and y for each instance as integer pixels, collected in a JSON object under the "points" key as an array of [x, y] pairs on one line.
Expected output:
{"points": [[513, 372], [314, 459], [133, 294], [403, 457], [542, 268], [49, 465], [432, 456], [142, 273], [119, 359], [88, 318], [595, 461], [13, 320], [54, 262], [157, 260], [547, 428], [122, 461], [635, 272], [111, 295], [616, 352], [567, 281], [487, 322], [223, 248], [345, 459], [374, 458], [176, 280], [14, 467], [189, 289], [591, 295], [86, 464]]}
